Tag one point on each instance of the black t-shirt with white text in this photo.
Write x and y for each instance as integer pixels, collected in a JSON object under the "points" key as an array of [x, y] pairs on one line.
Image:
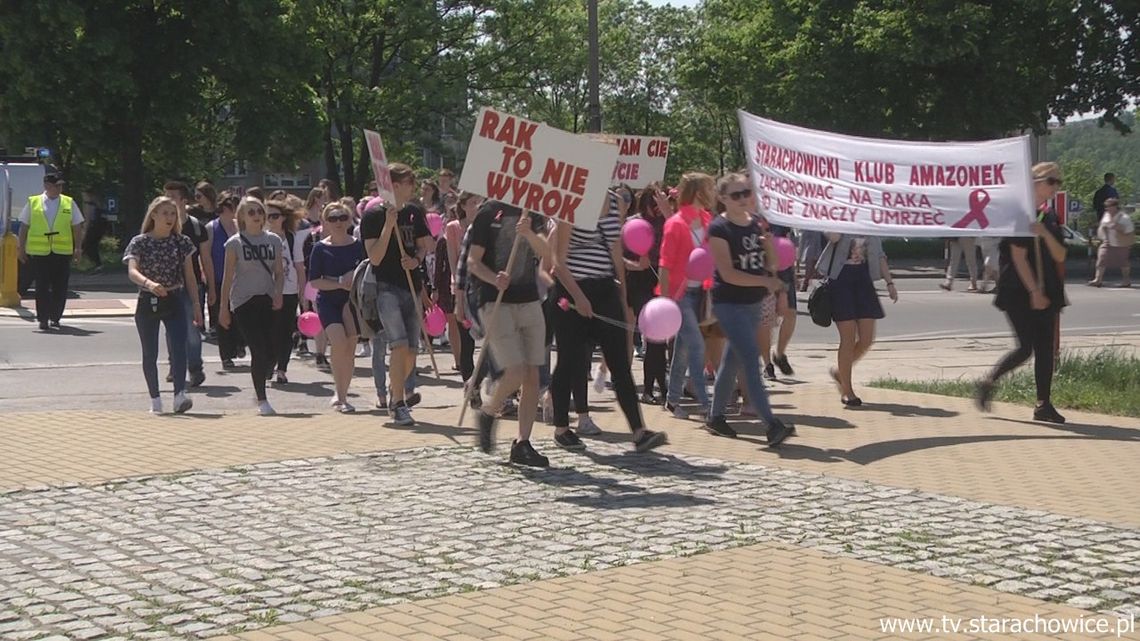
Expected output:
{"points": [[746, 245], [411, 223]]}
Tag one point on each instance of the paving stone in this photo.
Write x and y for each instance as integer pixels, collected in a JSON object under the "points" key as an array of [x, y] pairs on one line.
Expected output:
{"points": [[200, 553]]}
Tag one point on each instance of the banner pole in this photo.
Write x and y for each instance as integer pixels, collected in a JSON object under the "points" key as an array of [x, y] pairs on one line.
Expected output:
{"points": [[487, 327]]}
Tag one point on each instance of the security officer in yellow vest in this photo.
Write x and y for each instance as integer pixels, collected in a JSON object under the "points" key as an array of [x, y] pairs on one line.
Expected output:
{"points": [[51, 237]]}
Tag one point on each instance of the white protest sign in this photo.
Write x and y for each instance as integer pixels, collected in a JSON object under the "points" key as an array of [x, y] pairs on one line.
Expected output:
{"points": [[538, 168], [379, 166], [641, 159], [831, 182]]}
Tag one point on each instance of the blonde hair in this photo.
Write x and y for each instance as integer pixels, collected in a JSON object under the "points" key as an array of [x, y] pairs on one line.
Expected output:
{"points": [[693, 184], [152, 209], [1044, 170], [335, 205], [730, 179], [247, 203]]}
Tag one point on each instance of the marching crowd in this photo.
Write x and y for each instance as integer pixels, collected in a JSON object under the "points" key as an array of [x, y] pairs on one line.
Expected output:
{"points": [[526, 286]]}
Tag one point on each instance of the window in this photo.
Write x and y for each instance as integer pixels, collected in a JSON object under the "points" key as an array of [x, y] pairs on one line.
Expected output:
{"points": [[235, 169], [286, 181]]}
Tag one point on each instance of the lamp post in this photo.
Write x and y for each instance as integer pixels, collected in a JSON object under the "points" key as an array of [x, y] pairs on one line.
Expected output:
{"points": [[595, 107]]}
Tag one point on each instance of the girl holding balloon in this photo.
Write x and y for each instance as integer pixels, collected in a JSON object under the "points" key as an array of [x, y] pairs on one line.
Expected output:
{"points": [[331, 267], [642, 238], [745, 263]]}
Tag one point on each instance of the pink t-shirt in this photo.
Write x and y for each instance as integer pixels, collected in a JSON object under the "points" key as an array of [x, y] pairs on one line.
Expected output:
{"points": [[677, 243]]}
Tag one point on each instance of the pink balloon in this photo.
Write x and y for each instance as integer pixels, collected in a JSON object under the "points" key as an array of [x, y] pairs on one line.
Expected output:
{"points": [[309, 324], [435, 321], [310, 293], [785, 252], [701, 265], [434, 223], [637, 234], [660, 319]]}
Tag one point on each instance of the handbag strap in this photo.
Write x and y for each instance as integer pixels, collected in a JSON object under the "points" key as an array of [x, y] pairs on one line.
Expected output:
{"points": [[259, 258], [831, 263]]}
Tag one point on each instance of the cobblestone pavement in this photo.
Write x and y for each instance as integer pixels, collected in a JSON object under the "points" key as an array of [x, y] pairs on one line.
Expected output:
{"points": [[222, 551]]}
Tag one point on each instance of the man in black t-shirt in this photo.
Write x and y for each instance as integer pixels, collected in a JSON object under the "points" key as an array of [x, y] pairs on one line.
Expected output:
{"points": [[193, 229], [384, 228], [517, 337]]}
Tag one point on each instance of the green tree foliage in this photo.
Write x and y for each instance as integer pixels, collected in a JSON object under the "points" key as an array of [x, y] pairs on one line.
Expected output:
{"points": [[1089, 149], [143, 90]]}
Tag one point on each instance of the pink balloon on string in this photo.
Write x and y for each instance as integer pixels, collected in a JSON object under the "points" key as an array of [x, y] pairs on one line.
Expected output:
{"points": [[701, 265], [637, 234], [435, 321], [434, 223], [309, 324], [660, 319], [785, 252]]}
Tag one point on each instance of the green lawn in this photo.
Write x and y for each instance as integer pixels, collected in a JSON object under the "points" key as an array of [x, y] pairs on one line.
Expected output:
{"points": [[1106, 381]]}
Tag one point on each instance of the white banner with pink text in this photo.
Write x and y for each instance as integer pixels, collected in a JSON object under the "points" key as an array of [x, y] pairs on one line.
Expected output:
{"points": [[824, 181]]}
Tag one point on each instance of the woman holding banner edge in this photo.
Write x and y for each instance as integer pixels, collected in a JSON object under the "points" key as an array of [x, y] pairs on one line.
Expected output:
{"points": [[1031, 292]]}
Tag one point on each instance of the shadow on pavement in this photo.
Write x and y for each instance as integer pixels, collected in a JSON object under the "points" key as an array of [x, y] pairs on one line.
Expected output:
{"points": [[1102, 432], [825, 422], [608, 493], [906, 410], [657, 464], [459, 435], [68, 330], [217, 391]]}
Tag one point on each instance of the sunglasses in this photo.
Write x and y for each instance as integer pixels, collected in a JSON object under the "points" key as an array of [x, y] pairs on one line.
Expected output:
{"points": [[737, 195], [341, 218], [274, 215]]}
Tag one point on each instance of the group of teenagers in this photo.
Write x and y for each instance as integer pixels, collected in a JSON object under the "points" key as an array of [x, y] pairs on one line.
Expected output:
{"points": [[527, 286]]}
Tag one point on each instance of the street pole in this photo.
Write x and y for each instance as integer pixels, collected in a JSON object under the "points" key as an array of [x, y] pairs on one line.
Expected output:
{"points": [[595, 107]]}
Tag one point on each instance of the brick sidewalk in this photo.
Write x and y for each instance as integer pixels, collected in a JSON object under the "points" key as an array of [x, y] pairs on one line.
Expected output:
{"points": [[901, 440]]}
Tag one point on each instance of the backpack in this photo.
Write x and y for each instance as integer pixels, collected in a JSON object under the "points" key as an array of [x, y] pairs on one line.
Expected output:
{"points": [[363, 295]]}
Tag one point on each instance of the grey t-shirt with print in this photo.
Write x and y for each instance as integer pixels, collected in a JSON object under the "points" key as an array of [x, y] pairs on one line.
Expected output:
{"points": [[251, 278]]}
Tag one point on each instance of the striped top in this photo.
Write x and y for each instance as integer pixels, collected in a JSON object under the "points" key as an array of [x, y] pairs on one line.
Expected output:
{"points": [[589, 254]]}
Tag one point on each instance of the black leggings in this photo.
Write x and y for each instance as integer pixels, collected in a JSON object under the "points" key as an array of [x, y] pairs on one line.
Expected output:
{"points": [[466, 353], [252, 319], [229, 340], [576, 336], [1035, 334], [284, 324]]}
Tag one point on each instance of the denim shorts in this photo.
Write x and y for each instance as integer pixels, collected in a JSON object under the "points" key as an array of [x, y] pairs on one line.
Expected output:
{"points": [[398, 316]]}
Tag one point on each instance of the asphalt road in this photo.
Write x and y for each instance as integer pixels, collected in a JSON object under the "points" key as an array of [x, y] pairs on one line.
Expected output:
{"points": [[96, 359]]}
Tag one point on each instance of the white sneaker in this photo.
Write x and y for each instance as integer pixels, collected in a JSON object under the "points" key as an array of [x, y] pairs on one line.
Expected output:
{"points": [[600, 381], [182, 404], [265, 409], [587, 426], [364, 350], [346, 408], [156, 406]]}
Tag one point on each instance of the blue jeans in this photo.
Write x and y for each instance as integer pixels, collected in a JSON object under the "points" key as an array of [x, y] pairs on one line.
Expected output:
{"points": [[193, 336], [176, 342], [739, 323], [689, 349], [380, 368]]}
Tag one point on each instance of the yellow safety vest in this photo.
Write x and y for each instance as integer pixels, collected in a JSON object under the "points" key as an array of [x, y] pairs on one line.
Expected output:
{"points": [[59, 240]]}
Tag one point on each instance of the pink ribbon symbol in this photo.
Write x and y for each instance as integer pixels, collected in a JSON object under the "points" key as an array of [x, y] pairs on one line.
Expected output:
{"points": [[978, 201]]}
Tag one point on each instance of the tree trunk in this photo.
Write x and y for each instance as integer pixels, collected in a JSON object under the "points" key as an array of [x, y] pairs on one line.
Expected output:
{"points": [[344, 131]]}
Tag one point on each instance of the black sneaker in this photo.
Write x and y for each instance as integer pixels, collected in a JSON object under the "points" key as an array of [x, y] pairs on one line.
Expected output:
{"points": [[718, 426], [983, 394], [777, 432], [650, 440], [568, 440], [486, 432], [228, 363], [781, 361], [196, 379], [413, 399], [170, 378], [523, 454], [55, 324], [770, 372], [1048, 414], [43, 326]]}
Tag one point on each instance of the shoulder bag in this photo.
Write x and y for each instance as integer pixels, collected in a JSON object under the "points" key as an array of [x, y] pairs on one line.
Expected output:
{"points": [[819, 303]]}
